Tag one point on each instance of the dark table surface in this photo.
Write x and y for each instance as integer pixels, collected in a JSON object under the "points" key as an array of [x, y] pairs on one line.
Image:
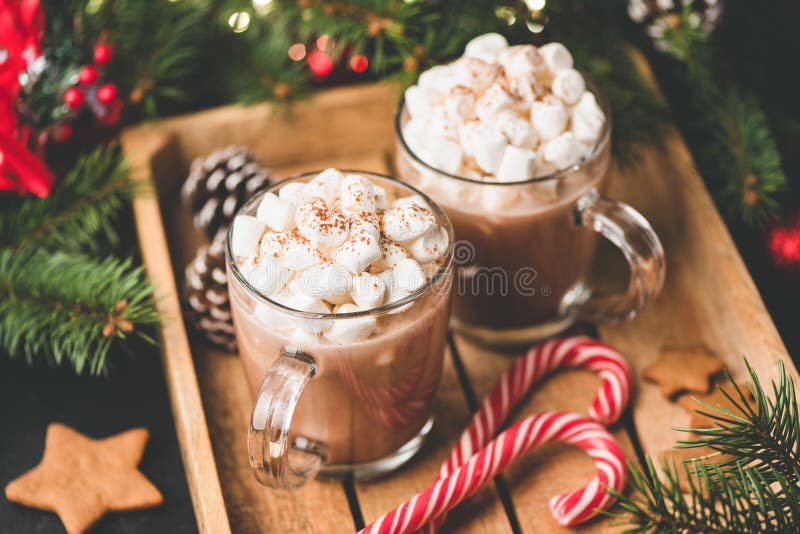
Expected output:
{"points": [[134, 395]]}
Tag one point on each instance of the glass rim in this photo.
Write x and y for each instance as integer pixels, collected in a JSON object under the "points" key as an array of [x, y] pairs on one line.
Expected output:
{"points": [[587, 157], [380, 310]]}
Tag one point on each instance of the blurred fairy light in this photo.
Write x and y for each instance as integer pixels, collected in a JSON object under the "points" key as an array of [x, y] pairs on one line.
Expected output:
{"points": [[535, 5], [297, 52], [324, 43], [535, 27], [93, 6], [506, 14], [239, 21], [263, 7]]}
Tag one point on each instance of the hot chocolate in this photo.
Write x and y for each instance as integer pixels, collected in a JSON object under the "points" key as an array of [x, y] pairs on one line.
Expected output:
{"points": [[352, 273]]}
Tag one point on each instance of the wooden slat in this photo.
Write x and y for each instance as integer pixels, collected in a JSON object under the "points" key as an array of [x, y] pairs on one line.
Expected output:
{"points": [[708, 298]]}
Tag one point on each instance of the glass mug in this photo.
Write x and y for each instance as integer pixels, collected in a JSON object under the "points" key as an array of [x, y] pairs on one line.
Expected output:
{"points": [[523, 262], [357, 409]]}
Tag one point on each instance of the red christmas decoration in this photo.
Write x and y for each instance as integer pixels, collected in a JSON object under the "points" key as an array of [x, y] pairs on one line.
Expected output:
{"points": [[102, 53], [73, 98], [783, 241], [359, 63], [88, 75], [106, 93], [320, 63]]}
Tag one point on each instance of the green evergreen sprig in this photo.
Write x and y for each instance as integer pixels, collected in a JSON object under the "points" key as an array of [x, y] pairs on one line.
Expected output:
{"points": [[756, 490], [79, 214], [69, 308]]}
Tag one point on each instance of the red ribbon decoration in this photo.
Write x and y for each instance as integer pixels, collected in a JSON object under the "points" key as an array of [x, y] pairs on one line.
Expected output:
{"points": [[21, 27]]}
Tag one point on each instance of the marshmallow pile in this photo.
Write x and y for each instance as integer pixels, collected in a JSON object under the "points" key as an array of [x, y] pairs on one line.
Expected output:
{"points": [[336, 244], [503, 113]]}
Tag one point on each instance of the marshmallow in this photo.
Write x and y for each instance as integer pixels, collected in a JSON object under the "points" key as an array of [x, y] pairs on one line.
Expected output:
{"points": [[415, 135], [444, 154], [411, 199], [524, 91], [391, 254], [518, 164], [292, 193], [562, 151], [435, 79], [293, 251], [523, 61], [357, 195], [247, 231], [307, 304], [407, 276], [272, 317], [327, 185], [587, 119], [549, 118], [358, 251], [299, 339], [407, 222], [367, 290], [381, 198], [321, 225], [556, 56], [366, 220], [417, 101], [498, 197], [276, 213], [486, 47], [264, 274], [430, 246], [350, 329], [485, 143], [439, 125], [516, 129], [494, 100], [473, 73], [568, 86], [325, 281], [459, 104]]}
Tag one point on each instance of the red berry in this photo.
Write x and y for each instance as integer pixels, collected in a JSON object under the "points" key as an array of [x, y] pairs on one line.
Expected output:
{"points": [[73, 98], [102, 53], [88, 75], [106, 93], [320, 63], [63, 131], [359, 63]]}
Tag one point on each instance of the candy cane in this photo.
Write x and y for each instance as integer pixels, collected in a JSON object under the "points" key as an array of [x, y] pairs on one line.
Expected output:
{"points": [[516, 382], [569, 508]]}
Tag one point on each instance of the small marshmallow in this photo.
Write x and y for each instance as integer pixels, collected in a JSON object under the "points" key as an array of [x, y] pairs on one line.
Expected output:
{"points": [[307, 304], [292, 193], [417, 101], [326, 185], [435, 79], [439, 125], [391, 253], [357, 195], [486, 47], [321, 225], [568, 86], [524, 61], [516, 129], [444, 154], [264, 274], [484, 143], [273, 318], [407, 222], [293, 251], [430, 246], [518, 164], [498, 197], [247, 231], [325, 281], [367, 290], [459, 104], [549, 118], [587, 119], [381, 198], [275, 213], [358, 251], [415, 135], [556, 56], [351, 329], [407, 276], [562, 151], [494, 100], [411, 199], [366, 220], [473, 73]]}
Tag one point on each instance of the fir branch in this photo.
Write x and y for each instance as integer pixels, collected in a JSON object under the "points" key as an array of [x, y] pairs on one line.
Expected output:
{"points": [[79, 213], [69, 308], [755, 491]]}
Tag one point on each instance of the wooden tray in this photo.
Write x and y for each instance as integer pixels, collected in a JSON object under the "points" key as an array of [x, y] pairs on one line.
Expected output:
{"points": [[709, 298]]}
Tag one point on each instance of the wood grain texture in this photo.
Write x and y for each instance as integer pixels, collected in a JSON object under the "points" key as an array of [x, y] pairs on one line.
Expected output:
{"points": [[709, 297]]}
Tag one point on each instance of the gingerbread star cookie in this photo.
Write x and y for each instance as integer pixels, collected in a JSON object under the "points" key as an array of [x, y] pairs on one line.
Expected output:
{"points": [[81, 479], [717, 399], [678, 370]]}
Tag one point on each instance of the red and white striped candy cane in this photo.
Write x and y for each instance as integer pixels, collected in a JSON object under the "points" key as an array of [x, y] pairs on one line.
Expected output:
{"points": [[516, 382], [569, 509]]}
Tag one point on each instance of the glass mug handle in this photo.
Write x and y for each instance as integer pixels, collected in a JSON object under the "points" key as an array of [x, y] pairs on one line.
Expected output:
{"points": [[279, 461], [632, 234]]}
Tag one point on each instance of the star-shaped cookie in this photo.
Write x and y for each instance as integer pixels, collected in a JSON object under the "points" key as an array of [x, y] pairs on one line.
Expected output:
{"points": [[716, 399], [678, 370], [81, 479]]}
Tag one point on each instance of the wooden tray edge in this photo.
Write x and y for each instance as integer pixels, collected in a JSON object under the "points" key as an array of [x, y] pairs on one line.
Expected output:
{"points": [[140, 145]]}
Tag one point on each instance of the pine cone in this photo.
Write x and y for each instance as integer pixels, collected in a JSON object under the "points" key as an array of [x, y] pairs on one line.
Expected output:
{"points": [[218, 185], [205, 292]]}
